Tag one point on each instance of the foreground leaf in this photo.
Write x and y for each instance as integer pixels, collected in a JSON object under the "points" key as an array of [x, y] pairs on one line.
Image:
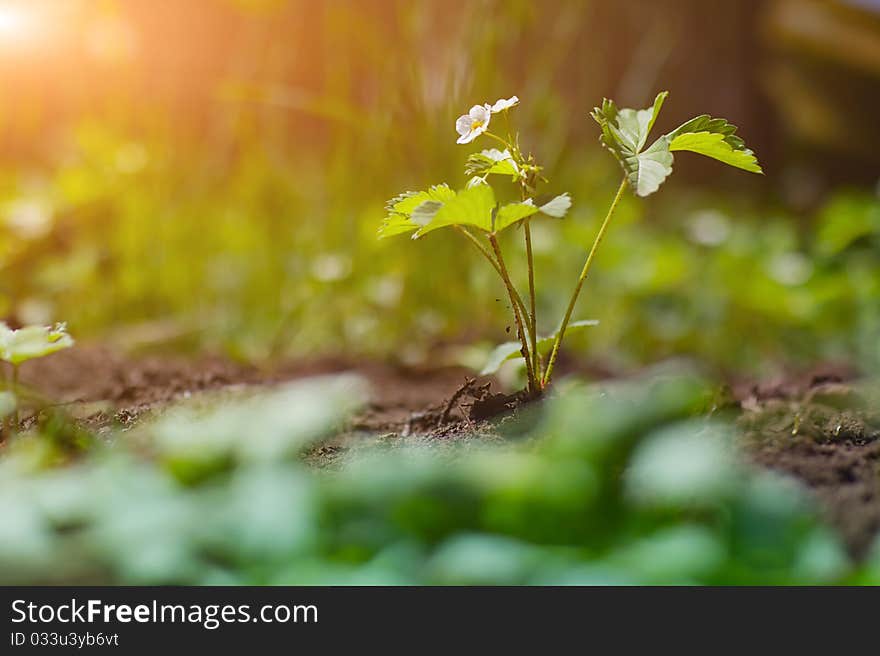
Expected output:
{"points": [[511, 350]]}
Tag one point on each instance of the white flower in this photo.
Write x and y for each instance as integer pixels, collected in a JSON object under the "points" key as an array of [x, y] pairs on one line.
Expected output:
{"points": [[471, 125], [502, 104]]}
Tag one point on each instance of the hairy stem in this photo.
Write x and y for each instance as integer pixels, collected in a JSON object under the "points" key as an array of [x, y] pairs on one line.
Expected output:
{"points": [[577, 290], [488, 255], [534, 387]]}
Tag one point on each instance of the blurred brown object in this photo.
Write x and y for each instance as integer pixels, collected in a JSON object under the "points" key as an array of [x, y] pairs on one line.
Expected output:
{"points": [[823, 74]]}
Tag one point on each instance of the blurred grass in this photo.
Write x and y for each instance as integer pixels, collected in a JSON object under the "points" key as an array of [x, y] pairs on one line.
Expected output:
{"points": [[228, 198]]}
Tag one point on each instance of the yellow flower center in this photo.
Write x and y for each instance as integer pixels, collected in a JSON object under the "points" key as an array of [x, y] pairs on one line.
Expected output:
{"points": [[476, 124]]}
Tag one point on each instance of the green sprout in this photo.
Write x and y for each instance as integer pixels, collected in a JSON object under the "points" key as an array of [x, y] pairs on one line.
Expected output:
{"points": [[476, 212], [19, 346]]}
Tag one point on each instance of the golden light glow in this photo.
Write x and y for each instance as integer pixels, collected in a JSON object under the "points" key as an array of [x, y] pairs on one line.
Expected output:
{"points": [[19, 22]]}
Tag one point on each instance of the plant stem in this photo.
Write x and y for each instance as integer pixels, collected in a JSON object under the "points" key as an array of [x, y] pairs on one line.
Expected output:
{"points": [[15, 417], [4, 421], [520, 324], [498, 139], [577, 290], [488, 255], [533, 317]]}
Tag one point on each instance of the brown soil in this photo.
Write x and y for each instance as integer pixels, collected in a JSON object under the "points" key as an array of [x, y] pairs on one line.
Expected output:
{"points": [[819, 430], [99, 386], [826, 434]]}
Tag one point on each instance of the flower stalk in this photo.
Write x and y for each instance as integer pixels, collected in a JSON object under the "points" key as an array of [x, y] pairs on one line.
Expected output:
{"points": [[580, 282]]}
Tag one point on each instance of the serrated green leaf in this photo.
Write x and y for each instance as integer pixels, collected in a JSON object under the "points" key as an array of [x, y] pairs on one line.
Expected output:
{"points": [[477, 164], [401, 208], [635, 125], [625, 132], [406, 202], [425, 211], [715, 138], [511, 350], [396, 224], [473, 207], [491, 162]]}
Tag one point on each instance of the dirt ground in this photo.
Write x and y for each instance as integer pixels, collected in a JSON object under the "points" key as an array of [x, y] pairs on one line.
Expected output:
{"points": [[819, 429]]}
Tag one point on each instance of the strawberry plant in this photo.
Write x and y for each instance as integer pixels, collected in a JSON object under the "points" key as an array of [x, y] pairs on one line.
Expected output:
{"points": [[479, 216]]}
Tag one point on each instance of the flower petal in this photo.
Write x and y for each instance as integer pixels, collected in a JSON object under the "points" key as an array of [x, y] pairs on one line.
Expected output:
{"points": [[480, 113], [502, 104], [463, 124]]}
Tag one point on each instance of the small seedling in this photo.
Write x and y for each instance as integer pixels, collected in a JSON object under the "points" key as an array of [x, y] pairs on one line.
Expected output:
{"points": [[19, 346], [476, 212]]}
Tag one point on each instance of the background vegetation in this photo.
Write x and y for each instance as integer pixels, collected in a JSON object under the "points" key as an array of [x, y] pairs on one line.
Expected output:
{"points": [[210, 175]]}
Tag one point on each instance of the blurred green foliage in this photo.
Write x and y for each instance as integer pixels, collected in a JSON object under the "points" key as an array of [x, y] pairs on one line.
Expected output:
{"points": [[624, 484]]}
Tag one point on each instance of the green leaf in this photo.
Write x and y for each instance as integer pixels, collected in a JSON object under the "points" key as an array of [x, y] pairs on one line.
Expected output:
{"points": [[511, 350], [401, 208], [425, 211], [557, 207], [647, 170], [635, 125], [513, 212], [715, 138], [501, 354], [494, 161], [625, 133], [473, 207], [396, 224], [17, 346]]}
